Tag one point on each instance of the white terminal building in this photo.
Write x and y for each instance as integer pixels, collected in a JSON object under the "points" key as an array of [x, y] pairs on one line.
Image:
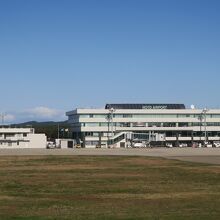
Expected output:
{"points": [[21, 138], [121, 125]]}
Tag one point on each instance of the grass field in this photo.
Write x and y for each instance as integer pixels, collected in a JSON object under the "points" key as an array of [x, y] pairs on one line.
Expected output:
{"points": [[105, 187]]}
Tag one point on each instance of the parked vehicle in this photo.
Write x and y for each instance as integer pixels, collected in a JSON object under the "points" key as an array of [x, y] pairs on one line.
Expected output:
{"points": [[78, 146], [169, 145], [139, 144], [183, 145], [216, 144], [50, 145], [195, 144], [207, 144]]}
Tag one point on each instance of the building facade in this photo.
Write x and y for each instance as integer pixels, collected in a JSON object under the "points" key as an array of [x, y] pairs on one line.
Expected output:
{"points": [[21, 138], [119, 124]]}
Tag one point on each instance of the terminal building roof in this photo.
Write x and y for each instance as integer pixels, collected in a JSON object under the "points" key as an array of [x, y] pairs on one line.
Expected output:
{"points": [[145, 106]]}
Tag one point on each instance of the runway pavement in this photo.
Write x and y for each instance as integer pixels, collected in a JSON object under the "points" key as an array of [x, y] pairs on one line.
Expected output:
{"points": [[202, 155]]}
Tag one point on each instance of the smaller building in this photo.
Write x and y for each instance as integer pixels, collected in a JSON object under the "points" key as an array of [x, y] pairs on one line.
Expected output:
{"points": [[65, 143], [21, 138]]}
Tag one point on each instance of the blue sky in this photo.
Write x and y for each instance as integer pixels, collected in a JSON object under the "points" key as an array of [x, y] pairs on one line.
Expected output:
{"points": [[59, 55]]}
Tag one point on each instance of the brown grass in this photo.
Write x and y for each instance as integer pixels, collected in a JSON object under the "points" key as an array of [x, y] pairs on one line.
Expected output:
{"points": [[107, 187]]}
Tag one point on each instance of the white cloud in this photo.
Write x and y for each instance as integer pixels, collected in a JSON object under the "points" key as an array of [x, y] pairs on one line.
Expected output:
{"points": [[43, 112], [9, 118]]}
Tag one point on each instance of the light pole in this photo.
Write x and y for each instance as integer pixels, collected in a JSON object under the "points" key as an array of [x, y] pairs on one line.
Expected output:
{"points": [[112, 110], [58, 131], [3, 118], [109, 118], [200, 117], [204, 112]]}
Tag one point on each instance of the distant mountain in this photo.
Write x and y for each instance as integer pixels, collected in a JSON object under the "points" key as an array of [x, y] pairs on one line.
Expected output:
{"points": [[36, 123], [50, 128]]}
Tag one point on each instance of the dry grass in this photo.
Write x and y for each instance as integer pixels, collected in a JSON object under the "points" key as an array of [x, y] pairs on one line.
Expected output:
{"points": [[107, 187]]}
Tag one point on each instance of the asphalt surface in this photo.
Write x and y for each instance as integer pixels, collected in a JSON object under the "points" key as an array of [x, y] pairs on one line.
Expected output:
{"points": [[201, 155]]}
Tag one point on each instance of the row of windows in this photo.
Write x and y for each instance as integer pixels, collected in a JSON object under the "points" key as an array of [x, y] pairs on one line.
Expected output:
{"points": [[150, 124], [144, 116], [194, 134], [8, 135], [167, 134], [10, 144]]}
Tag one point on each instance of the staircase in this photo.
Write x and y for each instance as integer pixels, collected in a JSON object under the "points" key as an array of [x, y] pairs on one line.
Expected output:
{"points": [[117, 138], [134, 137]]}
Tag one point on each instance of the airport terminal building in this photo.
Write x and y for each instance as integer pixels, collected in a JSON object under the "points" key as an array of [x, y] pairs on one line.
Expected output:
{"points": [[124, 125]]}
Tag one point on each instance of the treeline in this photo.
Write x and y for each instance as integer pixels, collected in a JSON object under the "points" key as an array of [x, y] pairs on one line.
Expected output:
{"points": [[50, 128]]}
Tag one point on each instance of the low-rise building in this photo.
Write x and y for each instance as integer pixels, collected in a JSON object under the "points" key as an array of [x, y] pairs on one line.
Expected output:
{"points": [[21, 138], [65, 143]]}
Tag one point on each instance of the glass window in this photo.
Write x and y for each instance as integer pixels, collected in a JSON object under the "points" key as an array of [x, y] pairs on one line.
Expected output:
{"points": [[117, 116], [89, 134], [127, 116], [92, 124], [84, 116], [139, 124], [155, 116], [99, 116], [154, 124], [183, 124], [122, 124], [169, 124], [91, 142], [215, 115], [186, 116], [104, 124]]}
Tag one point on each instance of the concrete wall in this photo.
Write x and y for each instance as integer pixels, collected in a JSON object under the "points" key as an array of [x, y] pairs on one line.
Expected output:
{"points": [[37, 140]]}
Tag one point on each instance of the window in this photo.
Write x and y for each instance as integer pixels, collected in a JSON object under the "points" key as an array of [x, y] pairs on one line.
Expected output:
{"points": [[155, 116], [117, 116], [84, 116], [92, 134], [169, 124], [92, 143], [9, 135], [215, 116], [154, 124], [123, 124], [99, 116], [127, 116], [103, 124], [139, 124], [91, 124], [213, 124], [89, 134], [183, 124], [186, 116]]}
